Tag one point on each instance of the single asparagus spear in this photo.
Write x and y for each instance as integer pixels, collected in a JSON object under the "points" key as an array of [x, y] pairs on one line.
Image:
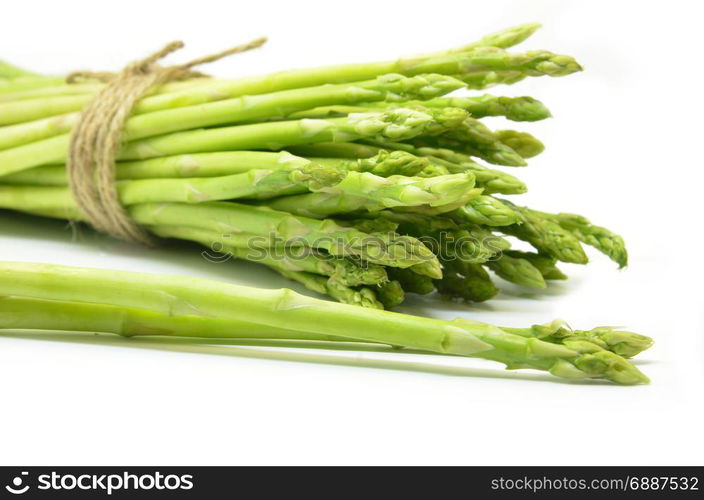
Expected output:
{"points": [[508, 68], [383, 164], [363, 297], [546, 236], [23, 313], [503, 39], [492, 181], [348, 150], [488, 211], [522, 143], [517, 270], [21, 83], [474, 138], [520, 109], [411, 282], [360, 192], [466, 281], [623, 343], [543, 263], [284, 308], [610, 244], [513, 108], [391, 293]]}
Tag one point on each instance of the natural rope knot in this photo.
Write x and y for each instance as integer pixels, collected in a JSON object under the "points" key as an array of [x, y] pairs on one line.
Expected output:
{"points": [[97, 137]]}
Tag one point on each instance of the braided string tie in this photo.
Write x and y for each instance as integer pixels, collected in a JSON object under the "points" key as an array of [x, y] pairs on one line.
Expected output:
{"points": [[97, 137]]}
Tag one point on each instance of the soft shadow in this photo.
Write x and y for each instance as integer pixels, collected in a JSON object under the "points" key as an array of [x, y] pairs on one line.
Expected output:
{"points": [[247, 349]]}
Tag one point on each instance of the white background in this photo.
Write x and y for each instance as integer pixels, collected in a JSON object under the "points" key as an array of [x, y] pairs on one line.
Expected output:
{"points": [[623, 148]]}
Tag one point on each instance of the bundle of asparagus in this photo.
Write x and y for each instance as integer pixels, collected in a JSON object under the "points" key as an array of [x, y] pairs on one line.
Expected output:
{"points": [[41, 296], [363, 182]]}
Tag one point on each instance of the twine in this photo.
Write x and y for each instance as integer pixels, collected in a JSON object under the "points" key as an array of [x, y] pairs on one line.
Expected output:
{"points": [[97, 137]]}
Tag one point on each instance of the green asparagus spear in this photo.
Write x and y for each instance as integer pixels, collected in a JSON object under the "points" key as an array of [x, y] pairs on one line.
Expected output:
{"points": [[546, 236], [626, 344], [466, 281], [365, 192], [410, 281], [503, 39], [488, 211], [363, 297], [517, 270], [610, 244], [383, 164], [492, 181], [283, 308], [543, 263], [391, 294], [520, 109], [521, 142]]}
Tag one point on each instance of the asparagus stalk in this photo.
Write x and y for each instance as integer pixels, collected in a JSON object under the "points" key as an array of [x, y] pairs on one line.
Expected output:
{"points": [[492, 181], [546, 236], [23, 313], [514, 108], [391, 293], [517, 270], [510, 68], [623, 343], [365, 192], [364, 296], [474, 138], [610, 244], [411, 282], [383, 164], [520, 109], [488, 211], [23, 82], [466, 281], [503, 39], [178, 296], [543, 263], [349, 150], [522, 143]]}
